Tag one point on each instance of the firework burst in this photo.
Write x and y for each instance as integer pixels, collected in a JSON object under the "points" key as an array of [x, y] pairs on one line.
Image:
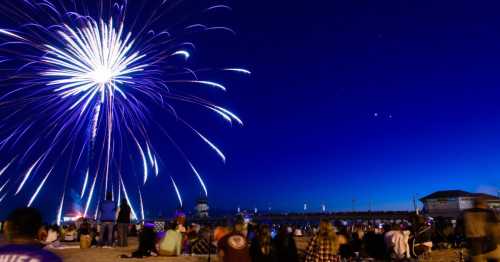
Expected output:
{"points": [[79, 92]]}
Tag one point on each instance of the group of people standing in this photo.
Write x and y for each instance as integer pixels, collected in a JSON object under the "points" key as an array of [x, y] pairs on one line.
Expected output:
{"points": [[112, 215]]}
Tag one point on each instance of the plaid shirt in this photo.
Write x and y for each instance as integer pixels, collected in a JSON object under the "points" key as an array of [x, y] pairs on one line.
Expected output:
{"points": [[201, 247], [320, 251]]}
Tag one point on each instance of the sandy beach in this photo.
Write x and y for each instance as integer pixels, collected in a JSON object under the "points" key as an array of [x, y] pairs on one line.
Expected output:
{"points": [[72, 253]]}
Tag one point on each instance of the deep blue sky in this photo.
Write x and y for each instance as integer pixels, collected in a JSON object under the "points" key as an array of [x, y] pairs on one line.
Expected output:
{"points": [[323, 69], [371, 100]]}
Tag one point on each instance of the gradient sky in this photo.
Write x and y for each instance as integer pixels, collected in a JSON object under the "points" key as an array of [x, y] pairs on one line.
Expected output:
{"points": [[375, 101], [323, 70]]}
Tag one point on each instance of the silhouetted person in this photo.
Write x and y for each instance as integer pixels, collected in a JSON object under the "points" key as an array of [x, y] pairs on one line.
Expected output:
{"points": [[262, 249], [123, 221], [108, 212], [20, 232], [147, 243], [286, 248], [481, 229], [233, 247], [203, 245]]}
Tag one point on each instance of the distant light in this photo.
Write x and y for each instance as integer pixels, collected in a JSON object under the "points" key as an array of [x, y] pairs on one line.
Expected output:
{"points": [[375, 114]]}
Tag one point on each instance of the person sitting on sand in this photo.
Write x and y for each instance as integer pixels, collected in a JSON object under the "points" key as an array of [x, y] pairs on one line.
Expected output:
{"points": [[147, 243], [202, 245], [171, 244], [233, 247]]}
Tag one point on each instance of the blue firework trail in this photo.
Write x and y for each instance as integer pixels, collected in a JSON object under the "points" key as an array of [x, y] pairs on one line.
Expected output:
{"points": [[84, 83]]}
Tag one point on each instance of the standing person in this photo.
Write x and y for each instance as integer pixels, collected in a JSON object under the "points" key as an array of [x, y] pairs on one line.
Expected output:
{"points": [[123, 220], [233, 247], [286, 248], [20, 231], [323, 247], [261, 249], [396, 241], [108, 212], [481, 229]]}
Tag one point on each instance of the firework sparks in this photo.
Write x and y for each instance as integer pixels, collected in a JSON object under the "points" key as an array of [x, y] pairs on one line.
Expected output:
{"points": [[89, 84], [39, 188], [177, 191]]}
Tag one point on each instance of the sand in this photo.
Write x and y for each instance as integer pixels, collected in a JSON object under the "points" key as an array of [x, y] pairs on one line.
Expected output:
{"points": [[73, 253]]}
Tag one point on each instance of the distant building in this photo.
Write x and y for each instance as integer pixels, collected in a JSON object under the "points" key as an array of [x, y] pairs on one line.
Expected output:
{"points": [[202, 208], [450, 203]]}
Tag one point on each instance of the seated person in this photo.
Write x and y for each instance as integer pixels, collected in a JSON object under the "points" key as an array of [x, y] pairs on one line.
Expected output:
{"points": [[171, 244], [202, 245], [147, 243], [20, 232]]}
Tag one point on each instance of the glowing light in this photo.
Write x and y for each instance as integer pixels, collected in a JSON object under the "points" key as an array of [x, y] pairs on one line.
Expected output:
{"points": [[4, 185], [94, 60], [95, 85], [2, 198], [182, 53], [239, 70], [101, 75], [26, 176], [128, 200], [6, 167], [84, 184], [157, 169], [39, 188], [199, 178], [89, 199], [177, 191], [59, 211], [141, 205]]}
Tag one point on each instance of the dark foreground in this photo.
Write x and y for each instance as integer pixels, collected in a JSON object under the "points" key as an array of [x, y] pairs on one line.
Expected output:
{"points": [[73, 253]]}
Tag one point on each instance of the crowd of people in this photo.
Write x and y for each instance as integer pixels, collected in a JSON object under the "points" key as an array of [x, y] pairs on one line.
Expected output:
{"points": [[244, 241]]}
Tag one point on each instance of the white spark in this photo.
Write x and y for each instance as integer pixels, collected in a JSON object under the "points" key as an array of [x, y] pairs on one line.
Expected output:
{"points": [[141, 205], [59, 212], [239, 70], [7, 32], [39, 188], [3, 197], [95, 59], [128, 200], [26, 176], [84, 184], [144, 162], [199, 178], [4, 185], [182, 53], [89, 199], [157, 169], [177, 191], [6, 167], [225, 111], [150, 156]]}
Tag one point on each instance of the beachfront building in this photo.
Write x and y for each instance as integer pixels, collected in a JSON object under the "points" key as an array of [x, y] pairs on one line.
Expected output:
{"points": [[450, 203], [202, 208]]}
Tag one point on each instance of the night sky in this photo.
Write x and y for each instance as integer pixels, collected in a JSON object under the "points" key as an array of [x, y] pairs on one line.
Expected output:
{"points": [[375, 101], [372, 100]]}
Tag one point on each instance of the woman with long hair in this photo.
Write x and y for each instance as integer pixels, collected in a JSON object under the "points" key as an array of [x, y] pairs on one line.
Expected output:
{"points": [[123, 220], [324, 246], [261, 249]]}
